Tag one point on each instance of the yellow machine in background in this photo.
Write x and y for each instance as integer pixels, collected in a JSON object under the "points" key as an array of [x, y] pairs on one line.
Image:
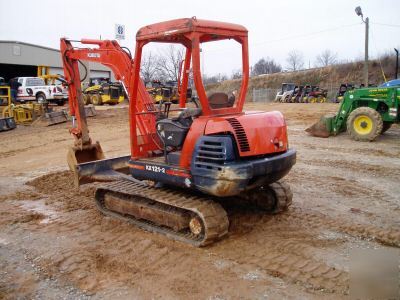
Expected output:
{"points": [[102, 91], [50, 79], [21, 113], [25, 114], [159, 92]]}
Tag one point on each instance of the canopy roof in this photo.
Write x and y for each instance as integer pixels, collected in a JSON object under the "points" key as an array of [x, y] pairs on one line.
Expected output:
{"points": [[175, 31]]}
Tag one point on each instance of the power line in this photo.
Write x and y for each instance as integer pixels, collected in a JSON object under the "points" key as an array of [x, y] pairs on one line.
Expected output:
{"points": [[291, 37], [384, 24], [307, 34]]}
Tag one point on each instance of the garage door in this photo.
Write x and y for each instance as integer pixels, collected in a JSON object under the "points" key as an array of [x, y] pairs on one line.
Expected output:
{"points": [[94, 73], [54, 70]]}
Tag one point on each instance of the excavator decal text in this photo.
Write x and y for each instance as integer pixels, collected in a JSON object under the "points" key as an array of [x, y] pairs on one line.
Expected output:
{"points": [[155, 169]]}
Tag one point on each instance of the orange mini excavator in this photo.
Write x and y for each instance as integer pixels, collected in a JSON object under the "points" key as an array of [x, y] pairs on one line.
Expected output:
{"points": [[181, 167]]}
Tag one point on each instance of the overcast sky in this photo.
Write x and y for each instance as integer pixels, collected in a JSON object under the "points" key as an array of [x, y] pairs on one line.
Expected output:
{"points": [[275, 27]]}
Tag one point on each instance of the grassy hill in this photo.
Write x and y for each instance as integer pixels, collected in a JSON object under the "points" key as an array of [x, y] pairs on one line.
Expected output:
{"points": [[328, 77]]}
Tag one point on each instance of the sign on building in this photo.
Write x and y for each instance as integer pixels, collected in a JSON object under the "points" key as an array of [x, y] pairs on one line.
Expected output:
{"points": [[119, 31]]}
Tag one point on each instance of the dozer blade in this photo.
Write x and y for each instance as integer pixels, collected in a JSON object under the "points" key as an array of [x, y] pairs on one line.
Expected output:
{"points": [[323, 128], [55, 117], [89, 164]]}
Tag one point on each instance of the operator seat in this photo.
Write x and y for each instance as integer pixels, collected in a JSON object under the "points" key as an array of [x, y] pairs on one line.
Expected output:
{"points": [[220, 100], [172, 132]]}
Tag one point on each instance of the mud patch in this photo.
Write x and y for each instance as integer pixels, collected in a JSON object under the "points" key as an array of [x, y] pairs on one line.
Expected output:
{"points": [[39, 207]]}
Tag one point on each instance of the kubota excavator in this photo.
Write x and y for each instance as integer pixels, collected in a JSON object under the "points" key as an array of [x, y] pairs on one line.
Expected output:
{"points": [[215, 152]]}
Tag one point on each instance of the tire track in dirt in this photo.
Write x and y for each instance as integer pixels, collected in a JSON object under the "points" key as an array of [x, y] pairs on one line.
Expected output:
{"points": [[357, 167], [317, 220], [283, 246], [284, 250]]}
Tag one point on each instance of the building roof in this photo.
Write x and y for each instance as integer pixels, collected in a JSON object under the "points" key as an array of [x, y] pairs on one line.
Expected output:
{"points": [[27, 44]]}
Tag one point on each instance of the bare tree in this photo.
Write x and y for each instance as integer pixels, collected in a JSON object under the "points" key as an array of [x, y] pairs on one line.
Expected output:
{"points": [[214, 79], [295, 60], [168, 63], [236, 74], [149, 67], [326, 58], [265, 66]]}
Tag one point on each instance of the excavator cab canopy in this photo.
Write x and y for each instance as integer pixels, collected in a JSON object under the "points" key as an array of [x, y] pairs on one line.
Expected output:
{"points": [[191, 32], [176, 31]]}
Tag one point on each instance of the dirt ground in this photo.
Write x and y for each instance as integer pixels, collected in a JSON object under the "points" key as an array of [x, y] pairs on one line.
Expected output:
{"points": [[55, 244]]}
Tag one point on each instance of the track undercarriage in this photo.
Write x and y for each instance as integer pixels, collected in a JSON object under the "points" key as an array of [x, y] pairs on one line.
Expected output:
{"points": [[195, 219]]}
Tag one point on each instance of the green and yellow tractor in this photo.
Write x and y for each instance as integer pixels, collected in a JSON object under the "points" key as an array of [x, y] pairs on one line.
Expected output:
{"points": [[365, 113]]}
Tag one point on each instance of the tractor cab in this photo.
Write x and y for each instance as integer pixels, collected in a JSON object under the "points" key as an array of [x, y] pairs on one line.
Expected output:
{"points": [[287, 87]]}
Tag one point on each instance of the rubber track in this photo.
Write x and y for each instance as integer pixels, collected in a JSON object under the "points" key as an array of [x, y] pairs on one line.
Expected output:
{"points": [[283, 195], [212, 214]]}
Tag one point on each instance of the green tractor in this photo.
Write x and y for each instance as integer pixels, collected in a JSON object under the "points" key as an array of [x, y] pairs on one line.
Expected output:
{"points": [[365, 113]]}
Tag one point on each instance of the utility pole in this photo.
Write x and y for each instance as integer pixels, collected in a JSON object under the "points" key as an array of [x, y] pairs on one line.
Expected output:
{"points": [[397, 63], [366, 21]]}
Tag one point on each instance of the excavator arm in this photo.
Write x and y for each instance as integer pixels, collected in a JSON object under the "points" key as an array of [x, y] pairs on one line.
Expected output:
{"points": [[142, 112]]}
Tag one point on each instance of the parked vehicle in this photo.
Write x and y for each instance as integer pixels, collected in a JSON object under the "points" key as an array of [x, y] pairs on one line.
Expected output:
{"points": [[285, 93], [102, 91], [35, 89], [364, 113]]}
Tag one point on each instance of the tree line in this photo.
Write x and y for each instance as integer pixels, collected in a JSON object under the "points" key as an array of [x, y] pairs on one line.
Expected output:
{"points": [[164, 66]]}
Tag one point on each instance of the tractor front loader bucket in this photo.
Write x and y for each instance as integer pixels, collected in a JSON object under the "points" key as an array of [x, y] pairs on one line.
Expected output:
{"points": [[323, 128], [89, 164]]}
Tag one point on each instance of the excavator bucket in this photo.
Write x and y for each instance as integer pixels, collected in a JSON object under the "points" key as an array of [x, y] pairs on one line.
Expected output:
{"points": [[323, 128], [89, 164], [87, 153]]}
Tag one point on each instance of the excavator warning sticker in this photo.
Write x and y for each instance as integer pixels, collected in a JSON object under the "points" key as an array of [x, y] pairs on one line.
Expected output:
{"points": [[155, 169]]}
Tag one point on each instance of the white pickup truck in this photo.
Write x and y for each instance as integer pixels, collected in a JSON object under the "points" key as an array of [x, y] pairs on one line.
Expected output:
{"points": [[34, 88]]}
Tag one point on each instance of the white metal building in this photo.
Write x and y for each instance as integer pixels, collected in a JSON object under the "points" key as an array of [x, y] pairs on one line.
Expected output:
{"points": [[19, 59]]}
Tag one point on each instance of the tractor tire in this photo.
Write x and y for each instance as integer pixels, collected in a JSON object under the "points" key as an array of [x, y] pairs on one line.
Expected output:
{"points": [[86, 99], [386, 126], [96, 99], [364, 124]]}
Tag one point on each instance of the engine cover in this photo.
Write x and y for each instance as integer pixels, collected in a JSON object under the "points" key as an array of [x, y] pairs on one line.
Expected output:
{"points": [[256, 133]]}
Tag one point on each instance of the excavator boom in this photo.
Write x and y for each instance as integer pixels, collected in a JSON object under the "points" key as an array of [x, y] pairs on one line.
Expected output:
{"points": [[110, 54]]}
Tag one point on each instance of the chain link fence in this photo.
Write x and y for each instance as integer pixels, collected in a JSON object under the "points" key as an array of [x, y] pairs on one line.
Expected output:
{"points": [[264, 95]]}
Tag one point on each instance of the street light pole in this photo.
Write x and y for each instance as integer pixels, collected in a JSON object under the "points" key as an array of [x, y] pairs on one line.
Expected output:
{"points": [[397, 63], [366, 52], [366, 21]]}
